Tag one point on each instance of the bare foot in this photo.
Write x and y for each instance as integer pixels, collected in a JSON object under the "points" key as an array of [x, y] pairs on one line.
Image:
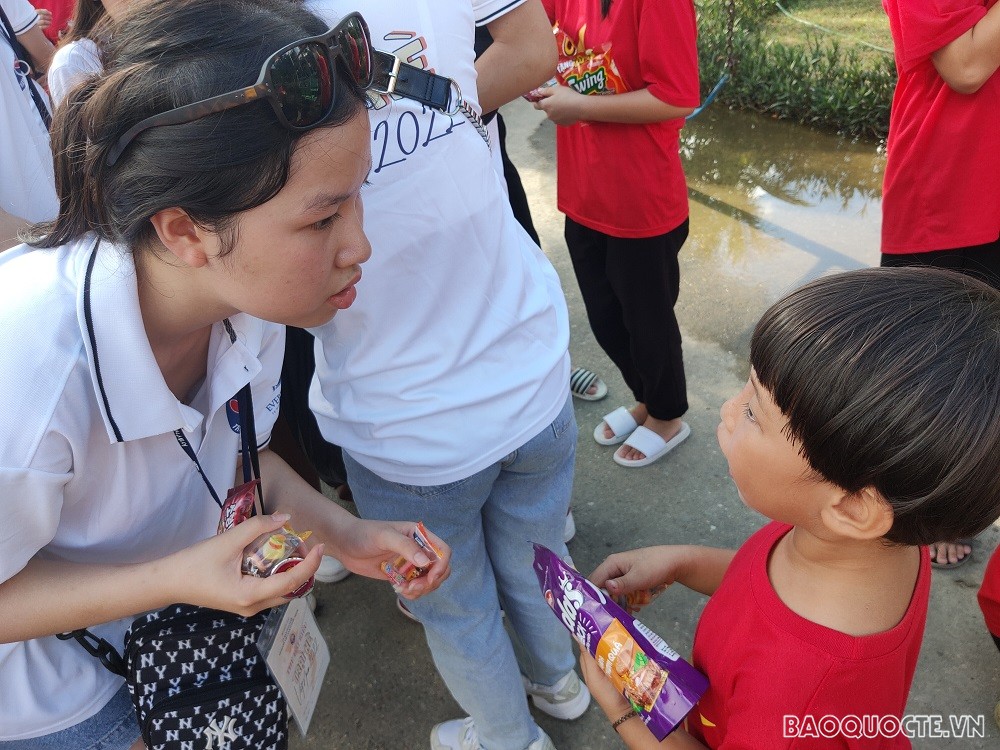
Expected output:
{"points": [[949, 553], [639, 414], [665, 428]]}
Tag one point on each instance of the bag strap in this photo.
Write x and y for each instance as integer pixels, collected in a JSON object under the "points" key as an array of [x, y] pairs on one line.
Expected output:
{"points": [[97, 646], [22, 54], [394, 76]]}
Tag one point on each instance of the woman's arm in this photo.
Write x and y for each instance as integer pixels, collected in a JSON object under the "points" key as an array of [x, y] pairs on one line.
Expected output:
{"points": [[361, 545], [522, 56], [50, 596], [968, 62], [565, 106], [40, 48]]}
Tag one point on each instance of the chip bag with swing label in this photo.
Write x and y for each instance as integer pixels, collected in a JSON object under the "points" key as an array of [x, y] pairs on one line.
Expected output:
{"points": [[658, 683]]}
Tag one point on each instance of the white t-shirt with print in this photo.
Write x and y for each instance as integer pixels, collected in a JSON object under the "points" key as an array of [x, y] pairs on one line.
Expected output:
{"points": [[90, 470], [73, 62], [455, 352], [27, 181]]}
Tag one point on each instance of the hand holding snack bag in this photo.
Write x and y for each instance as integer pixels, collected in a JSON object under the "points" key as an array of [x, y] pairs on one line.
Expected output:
{"points": [[273, 552], [658, 684]]}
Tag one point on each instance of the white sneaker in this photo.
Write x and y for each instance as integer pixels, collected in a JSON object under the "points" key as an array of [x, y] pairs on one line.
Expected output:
{"points": [[566, 700], [569, 530], [331, 570], [406, 611], [461, 734], [457, 734]]}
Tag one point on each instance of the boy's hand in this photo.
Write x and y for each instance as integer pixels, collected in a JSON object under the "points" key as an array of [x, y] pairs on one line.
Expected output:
{"points": [[607, 696], [698, 568], [639, 569]]}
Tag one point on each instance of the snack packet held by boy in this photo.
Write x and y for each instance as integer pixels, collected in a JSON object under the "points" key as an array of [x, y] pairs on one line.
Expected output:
{"points": [[401, 570], [658, 683]]}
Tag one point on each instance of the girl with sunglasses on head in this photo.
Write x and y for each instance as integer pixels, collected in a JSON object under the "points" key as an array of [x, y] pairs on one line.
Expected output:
{"points": [[131, 321]]}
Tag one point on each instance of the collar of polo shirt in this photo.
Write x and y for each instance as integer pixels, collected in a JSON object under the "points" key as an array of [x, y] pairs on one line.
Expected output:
{"points": [[135, 400]]}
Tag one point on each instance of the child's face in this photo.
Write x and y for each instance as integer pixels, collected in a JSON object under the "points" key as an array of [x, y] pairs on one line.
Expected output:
{"points": [[770, 473]]}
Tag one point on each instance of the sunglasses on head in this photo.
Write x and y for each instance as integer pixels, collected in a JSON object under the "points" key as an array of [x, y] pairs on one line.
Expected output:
{"points": [[298, 80]]}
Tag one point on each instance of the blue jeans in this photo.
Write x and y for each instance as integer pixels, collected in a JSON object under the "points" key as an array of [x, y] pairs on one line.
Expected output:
{"points": [[489, 519], [114, 727]]}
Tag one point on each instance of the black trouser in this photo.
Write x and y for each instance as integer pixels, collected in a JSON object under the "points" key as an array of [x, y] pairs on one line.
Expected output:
{"points": [[981, 261], [629, 287]]}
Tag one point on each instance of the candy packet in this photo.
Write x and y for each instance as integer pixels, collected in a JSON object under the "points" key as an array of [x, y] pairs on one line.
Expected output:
{"points": [[534, 95], [653, 677], [587, 70], [238, 506], [276, 552], [633, 601], [401, 570]]}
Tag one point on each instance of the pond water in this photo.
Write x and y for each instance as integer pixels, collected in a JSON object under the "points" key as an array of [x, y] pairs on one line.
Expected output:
{"points": [[773, 204]]}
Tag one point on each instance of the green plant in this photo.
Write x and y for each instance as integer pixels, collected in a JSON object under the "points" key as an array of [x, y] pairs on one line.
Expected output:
{"points": [[820, 82]]}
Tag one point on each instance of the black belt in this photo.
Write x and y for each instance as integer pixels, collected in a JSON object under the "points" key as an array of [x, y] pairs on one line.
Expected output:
{"points": [[393, 76]]}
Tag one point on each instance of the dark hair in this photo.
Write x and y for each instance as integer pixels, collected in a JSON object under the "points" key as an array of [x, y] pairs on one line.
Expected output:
{"points": [[164, 54], [890, 378], [86, 15]]}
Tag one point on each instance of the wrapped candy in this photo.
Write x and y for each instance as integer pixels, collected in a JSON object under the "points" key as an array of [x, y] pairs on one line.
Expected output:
{"points": [[276, 552], [401, 570], [238, 506]]}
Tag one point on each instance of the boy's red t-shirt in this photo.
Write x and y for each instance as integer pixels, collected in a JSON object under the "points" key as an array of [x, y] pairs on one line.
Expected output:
{"points": [[765, 663], [942, 175], [989, 594], [627, 180]]}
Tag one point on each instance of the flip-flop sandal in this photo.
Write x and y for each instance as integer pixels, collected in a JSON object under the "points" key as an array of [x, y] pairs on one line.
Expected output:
{"points": [[622, 425], [580, 381], [957, 563], [652, 446]]}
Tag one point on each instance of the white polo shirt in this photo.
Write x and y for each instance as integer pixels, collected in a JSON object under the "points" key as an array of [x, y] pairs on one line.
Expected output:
{"points": [[90, 470], [455, 352], [27, 180]]}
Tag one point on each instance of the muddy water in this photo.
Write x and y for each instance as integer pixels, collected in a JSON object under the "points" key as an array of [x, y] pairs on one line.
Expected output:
{"points": [[772, 206]]}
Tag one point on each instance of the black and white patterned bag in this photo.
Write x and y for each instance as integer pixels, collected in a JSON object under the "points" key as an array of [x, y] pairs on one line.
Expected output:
{"points": [[198, 681]]}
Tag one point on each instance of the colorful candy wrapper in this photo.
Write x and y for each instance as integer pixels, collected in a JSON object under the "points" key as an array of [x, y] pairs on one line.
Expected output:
{"points": [[238, 506], [401, 570], [660, 685], [534, 95], [276, 552]]}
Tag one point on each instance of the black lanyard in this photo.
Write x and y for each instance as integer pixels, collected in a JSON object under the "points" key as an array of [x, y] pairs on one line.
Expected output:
{"points": [[248, 439]]}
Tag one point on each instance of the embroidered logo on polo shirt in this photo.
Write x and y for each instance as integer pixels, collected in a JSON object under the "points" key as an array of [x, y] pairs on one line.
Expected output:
{"points": [[233, 414]]}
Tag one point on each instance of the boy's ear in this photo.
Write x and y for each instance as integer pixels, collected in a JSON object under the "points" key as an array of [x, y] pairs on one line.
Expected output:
{"points": [[859, 515], [182, 237]]}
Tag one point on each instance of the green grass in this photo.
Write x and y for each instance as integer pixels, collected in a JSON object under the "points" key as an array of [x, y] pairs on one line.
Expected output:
{"points": [[854, 20], [797, 72]]}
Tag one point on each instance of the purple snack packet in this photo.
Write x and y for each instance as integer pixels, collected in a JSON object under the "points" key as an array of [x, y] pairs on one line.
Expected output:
{"points": [[661, 686]]}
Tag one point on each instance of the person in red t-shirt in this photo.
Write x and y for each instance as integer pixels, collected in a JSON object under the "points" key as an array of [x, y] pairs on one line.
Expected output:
{"points": [[941, 196], [61, 11], [629, 75], [869, 426], [989, 602]]}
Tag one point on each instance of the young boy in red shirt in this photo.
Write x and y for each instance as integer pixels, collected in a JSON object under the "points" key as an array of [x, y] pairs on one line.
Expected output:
{"points": [[869, 427]]}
